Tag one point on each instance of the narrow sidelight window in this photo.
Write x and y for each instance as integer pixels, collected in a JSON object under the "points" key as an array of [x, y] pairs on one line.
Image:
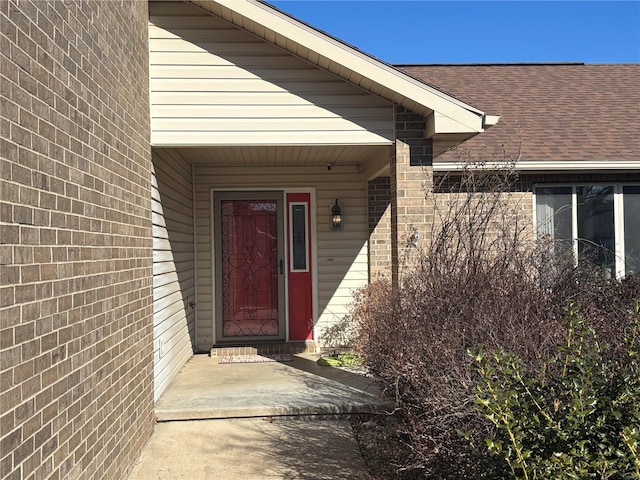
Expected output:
{"points": [[299, 250]]}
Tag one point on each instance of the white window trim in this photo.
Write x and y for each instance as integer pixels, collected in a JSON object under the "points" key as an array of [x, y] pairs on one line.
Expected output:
{"points": [[618, 216]]}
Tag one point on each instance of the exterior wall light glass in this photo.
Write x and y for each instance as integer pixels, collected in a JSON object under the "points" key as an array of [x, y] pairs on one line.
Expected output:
{"points": [[336, 218]]}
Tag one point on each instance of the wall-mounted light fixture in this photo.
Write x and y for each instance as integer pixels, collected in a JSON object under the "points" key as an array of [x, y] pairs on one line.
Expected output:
{"points": [[336, 218]]}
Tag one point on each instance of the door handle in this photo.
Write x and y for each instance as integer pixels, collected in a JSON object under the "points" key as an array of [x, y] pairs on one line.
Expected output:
{"points": [[281, 265]]}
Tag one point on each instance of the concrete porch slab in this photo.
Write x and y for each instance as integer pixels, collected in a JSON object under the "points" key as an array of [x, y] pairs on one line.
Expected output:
{"points": [[205, 389]]}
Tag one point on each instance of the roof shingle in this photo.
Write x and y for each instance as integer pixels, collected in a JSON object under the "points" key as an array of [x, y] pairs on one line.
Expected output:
{"points": [[557, 112]]}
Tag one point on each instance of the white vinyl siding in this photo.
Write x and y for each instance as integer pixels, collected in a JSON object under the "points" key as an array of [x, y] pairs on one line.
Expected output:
{"points": [[341, 256], [173, 267], [214, 84]]}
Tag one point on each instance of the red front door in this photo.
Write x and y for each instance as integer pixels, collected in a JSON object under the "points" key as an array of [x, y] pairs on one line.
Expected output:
{"points": [[249, 266]]}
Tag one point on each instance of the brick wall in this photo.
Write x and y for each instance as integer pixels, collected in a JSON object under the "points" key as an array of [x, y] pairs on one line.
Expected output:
{"points": [[76, 372], [518, 203], [411, 179], [379, 229]]}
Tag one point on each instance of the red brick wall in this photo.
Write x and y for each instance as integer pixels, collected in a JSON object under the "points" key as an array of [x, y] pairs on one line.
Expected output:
{"points": [[76, 371]]}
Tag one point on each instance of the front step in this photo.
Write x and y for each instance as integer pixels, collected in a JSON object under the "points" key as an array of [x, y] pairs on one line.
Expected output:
{"points": [[204, 389], [308, 346]]}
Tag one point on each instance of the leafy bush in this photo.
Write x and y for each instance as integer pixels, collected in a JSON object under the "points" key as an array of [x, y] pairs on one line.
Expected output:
{"points": [[576, 417]]}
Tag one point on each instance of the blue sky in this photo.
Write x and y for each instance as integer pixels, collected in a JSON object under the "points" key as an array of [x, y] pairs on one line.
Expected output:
{"points": [[421, 31]]}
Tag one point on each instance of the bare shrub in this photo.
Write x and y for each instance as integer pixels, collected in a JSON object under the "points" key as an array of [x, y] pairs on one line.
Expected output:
{"points": [[481, 282], [340, 334]]}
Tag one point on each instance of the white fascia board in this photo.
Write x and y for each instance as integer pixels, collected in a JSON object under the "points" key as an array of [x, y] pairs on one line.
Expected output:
{"points": [[491, 120], [441, 124], [544, 165], [350, 59]]}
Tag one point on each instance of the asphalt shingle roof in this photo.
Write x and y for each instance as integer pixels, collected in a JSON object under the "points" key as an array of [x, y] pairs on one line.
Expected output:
{"points": [[557, 111]]}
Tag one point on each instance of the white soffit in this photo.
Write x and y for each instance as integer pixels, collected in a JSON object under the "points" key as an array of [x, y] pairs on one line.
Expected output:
{"points": [[348, 63]]}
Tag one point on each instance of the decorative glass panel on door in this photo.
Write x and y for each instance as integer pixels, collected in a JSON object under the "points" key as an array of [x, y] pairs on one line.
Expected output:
{"points": [[249, 268]]}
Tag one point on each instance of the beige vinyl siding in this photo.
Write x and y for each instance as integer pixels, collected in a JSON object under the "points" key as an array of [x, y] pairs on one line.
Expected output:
{"points": [[173, 267], [214, 84], [341, 256], [342, 60]]}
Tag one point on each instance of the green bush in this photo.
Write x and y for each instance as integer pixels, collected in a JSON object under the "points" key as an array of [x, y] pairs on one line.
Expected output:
{"points": [[577, 417], [344, 359]]}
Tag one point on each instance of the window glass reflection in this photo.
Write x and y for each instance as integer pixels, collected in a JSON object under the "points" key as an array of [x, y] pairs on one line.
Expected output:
{"points": [[596, 225], [631, 197]]}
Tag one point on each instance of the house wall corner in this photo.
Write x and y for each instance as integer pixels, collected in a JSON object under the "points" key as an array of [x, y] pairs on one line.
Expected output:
{"points": [[410, 183]]}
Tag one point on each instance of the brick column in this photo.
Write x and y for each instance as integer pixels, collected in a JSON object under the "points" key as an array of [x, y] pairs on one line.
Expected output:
{"points": [[411, 180]]}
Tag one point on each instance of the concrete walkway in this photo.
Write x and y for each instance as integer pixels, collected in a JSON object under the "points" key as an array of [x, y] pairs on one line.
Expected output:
{"points": [[258, 421]]}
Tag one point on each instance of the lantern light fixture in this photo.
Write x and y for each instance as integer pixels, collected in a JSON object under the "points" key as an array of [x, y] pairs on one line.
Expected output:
{"points": [[336, 218]]}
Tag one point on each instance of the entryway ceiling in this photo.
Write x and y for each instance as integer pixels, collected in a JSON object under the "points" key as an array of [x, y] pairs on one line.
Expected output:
{"points": [[323, 155]]}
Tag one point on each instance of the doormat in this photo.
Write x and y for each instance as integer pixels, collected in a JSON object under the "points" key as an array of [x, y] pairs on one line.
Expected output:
{"points": [[271, 357]]}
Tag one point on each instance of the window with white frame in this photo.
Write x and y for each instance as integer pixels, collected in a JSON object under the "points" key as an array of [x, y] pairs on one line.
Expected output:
{"points": [[599, 221]]}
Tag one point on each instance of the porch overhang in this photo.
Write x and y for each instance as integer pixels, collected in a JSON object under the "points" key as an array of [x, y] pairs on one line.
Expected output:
{"points": [[446, 115]]}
